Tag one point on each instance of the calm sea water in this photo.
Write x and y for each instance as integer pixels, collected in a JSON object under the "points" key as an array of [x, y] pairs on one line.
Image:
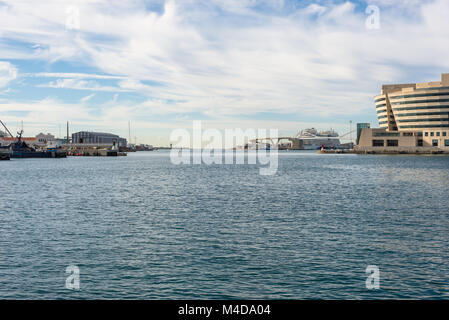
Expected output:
{"points": [[139, 227]]}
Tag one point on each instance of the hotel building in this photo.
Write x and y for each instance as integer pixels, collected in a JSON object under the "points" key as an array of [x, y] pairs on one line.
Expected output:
{"points": [[411, 115]]}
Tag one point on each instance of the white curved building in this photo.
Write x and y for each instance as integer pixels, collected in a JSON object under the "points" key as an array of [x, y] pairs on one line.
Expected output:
{"points": [[419, 110]]}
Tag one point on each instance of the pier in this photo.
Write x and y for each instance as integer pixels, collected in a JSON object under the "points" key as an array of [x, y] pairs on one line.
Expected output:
{"points": [[92, 149], [389, 150]]}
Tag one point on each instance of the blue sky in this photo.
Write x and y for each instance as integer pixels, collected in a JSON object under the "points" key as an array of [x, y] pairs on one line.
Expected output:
{"points": [[231, 63]]}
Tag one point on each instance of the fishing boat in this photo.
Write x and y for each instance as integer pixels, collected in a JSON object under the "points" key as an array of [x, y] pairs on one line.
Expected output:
{"points": [[20, 149]]}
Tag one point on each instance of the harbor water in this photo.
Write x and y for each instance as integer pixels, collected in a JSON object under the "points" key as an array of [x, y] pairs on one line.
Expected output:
{"points": [[140, 227]]}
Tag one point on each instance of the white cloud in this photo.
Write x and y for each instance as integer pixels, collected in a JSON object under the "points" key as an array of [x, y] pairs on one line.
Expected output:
{"points": [[8, 72], [87, 98], [72, 75], [319, 60], [78, 84], [315, 9], [50, 115]]}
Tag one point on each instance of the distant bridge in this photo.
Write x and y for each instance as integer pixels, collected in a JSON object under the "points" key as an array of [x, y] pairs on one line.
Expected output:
{"points": [[296, 143]]}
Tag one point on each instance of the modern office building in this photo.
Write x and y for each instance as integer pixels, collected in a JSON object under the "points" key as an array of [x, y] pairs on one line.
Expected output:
{"points": [[361, 126], [98, 138], [411, 115]]}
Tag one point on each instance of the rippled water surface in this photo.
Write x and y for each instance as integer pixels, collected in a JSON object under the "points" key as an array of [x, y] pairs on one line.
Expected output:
{"points": [[139, 227]]}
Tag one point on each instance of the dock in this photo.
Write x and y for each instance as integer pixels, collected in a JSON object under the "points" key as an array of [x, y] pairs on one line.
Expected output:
{"points": [[339, 151], [389, 150], [92, 150]]}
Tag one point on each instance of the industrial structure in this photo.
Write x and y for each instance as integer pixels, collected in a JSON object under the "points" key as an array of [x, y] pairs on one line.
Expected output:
{"points": [[86, 137]]}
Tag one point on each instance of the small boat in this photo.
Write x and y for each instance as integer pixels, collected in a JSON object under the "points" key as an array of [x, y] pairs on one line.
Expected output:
{"points": [[20, 149], [5, 153]]}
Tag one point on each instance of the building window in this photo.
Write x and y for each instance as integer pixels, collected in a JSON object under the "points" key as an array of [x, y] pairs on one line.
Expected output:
{"points": [[444, 134], [392, 143], [438, 134], [422, 95], [446, 143], [420, 101], [408, 134], [427, 134], [378, 143], [432, 134], [386, 134], [435, 143], [423, 120], [436, 113], [420, 143]]}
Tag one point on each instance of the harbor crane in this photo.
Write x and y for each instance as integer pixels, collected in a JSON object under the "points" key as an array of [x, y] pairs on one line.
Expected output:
{"points": [[7, 130]]}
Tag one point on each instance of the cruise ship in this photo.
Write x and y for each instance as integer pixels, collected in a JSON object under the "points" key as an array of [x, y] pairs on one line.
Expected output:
{"points": [[314, 140]]}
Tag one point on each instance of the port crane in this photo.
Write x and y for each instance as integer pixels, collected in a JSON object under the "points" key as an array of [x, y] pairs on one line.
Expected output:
{"points": [[7, 130]]}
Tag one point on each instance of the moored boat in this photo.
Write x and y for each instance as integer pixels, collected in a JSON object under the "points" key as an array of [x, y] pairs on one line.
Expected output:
{"points": [[20, 149], [5, 153], [314, 140]]}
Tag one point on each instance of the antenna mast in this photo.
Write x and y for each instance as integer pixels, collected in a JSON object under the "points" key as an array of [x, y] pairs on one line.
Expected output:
{"points": [[129, 132], [68, 140]]}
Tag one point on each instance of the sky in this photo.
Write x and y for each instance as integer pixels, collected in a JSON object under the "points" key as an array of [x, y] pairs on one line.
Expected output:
{"points": [[283, 64]]}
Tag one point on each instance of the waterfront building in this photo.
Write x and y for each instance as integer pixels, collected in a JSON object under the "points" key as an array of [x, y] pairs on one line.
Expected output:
{"points": [[84, 137], [40, 141], [411, 115], [361, 126], [45, 139]]}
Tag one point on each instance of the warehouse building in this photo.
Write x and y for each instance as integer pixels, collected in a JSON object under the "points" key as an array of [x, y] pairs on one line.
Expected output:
{"points": [[98, 138]]}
